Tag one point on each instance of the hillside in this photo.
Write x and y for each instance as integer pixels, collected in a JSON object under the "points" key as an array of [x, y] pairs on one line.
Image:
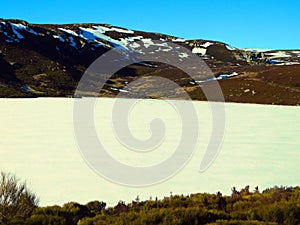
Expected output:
{"points": [[38, 60]]}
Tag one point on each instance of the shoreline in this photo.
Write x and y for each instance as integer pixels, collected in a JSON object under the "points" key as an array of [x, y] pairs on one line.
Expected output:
{"points": [[154, 99]]}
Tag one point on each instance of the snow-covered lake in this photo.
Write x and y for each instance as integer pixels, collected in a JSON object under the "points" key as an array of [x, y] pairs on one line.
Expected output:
{"points": [[261, 147]]}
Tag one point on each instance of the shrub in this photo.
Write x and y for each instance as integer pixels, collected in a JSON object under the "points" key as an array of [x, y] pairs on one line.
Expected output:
{"points": [[16, 201]]}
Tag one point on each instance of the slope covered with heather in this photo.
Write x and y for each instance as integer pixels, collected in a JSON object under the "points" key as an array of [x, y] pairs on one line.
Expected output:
{"points": [[39, 60]]}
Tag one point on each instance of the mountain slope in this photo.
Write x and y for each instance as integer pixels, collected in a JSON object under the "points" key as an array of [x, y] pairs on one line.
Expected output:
{"points": [[49, 60]]}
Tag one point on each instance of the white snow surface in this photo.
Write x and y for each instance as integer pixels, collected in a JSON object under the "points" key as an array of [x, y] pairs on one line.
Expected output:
{"points": [[224, 76], [198, 50], [16, 26], [59, 38], [147, 42], [287, 63], [277, 54], [120, 30], [124, 91], [68, 31], [283, 57], [98, 33], [256, 49], [179, 40], [231, 48], [103, 29], [15, 30], [134, 45], [207, 44], [38, 145]]}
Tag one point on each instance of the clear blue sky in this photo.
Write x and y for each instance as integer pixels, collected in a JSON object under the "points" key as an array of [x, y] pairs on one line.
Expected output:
{"points": [[241, 23]]}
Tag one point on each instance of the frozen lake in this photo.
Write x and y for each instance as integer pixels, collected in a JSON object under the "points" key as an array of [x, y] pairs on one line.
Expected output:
{"points": [[261, 147]]}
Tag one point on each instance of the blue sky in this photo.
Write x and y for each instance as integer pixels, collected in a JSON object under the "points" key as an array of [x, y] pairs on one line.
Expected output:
{"points": [[254, 24]]}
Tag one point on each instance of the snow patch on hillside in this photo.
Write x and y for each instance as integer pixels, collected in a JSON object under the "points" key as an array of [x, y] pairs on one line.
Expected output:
{"points": [[206, 44], [281, 58], [224, 76], [231, 48], [178, 40], [120, 30], [147, 42], [278, 54], [286, 63], [197, 50], [97, 33], [59, 38], [255, 49], [134, 45], [16, 26], [68, 31]]}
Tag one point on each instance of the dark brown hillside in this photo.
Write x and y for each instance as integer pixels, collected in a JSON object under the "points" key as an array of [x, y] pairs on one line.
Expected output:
{"points": [[38, 60]]}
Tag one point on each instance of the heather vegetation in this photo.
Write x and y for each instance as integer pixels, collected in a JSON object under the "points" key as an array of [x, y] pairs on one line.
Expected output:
{"points": [[49, 60], [277, 205]]}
